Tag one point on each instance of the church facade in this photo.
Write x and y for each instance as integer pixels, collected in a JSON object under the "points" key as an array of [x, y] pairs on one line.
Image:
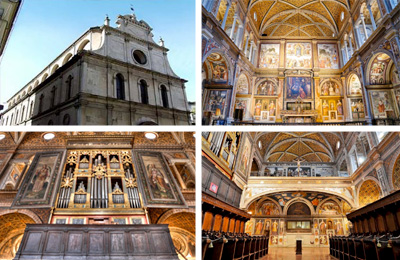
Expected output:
{"points": [[66, 183], [300, 62], [290, 186], [108, 76]]}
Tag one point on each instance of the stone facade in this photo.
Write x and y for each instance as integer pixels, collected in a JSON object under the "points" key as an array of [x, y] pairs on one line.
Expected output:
{"points": [[109, 76]]}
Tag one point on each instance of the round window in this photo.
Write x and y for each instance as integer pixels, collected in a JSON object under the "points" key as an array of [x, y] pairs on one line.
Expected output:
{"points": [[139, 57]]}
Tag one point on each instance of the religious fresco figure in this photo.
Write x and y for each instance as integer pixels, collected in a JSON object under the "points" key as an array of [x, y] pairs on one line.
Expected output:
{"points": [[339, 108], [258, 108], [39, 183], [271, 108], [259, 228], [160, 187], [381, 106]]}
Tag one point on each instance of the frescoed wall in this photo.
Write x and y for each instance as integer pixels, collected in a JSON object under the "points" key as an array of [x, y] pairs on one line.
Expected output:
{"points": [[378, 70], [269, 56], [298, 87], [288, 216], [328, 56], [298, 55], [382, 104]]}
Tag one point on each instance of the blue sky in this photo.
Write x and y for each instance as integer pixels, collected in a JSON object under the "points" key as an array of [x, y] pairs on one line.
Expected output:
{"points": [[45, 28]]}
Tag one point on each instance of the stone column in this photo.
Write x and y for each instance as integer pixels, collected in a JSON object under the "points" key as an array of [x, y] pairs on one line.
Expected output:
{"points": [[228, 7], [382, 177], [239, 31], [233, 27], [351, 44], [191, 169], [372, 17], [245, 45], [315, 50], [178, 176], [364, 27]]}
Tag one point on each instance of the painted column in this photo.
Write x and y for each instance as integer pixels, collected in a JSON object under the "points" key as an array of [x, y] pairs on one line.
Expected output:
{"points": [[346, 51], [178, 176], [315, 51], [358, 36], [346, 103], [368, 115], [228, 7], [382, 177], [351, 45], [251, 50], [233, 27], [364, 27], [372, 17]]}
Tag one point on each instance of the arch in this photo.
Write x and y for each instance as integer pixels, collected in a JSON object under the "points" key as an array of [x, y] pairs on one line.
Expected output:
{"points": [[171, 212], [242, 84], [12, 227], [251, 199], [67, 58], [22, 113], [375, 75], [145, 121], [354, 85], [83, 45], [120, 86], [395, 172], [164, 96], [321, 203], [41, 103], [262, 202], [144, 96], [55, 67], [267, 86], [368, 191], [45, 76], [36, 84], [30, 89], [221, 59], [325, 88], [291, 202]]}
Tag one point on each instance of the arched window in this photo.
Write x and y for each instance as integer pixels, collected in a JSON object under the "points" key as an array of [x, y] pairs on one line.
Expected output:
{"points": [[66, 119], [69, 87], [164, 96], [53, 96], [16, 117], [50, 122], [6, 121], [22, 113], [120, 85], [31, 109], [143, 92], [40, 103], [11, 121]]}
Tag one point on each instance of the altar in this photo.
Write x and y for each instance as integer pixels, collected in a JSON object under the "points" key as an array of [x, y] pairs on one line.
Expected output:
{"points": [[299, 117]]}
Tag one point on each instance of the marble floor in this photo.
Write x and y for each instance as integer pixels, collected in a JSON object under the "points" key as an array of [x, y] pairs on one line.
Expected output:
{"points": [[290, 254]]}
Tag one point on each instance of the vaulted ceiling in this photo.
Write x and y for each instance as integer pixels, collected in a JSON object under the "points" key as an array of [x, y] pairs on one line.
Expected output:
{"points": [[298, 18], [289, 146]]}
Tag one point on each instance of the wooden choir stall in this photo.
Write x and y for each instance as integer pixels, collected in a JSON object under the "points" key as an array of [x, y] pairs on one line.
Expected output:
{"points": [[375, 232], [223, 227]]}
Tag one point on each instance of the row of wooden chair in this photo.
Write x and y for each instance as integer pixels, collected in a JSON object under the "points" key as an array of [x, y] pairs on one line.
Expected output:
{"points": [[229, 246], [370, 247]]}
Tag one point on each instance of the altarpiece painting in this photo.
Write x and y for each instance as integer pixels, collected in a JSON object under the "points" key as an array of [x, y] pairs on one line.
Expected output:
{"points": [[156, 181], [41, 179]]}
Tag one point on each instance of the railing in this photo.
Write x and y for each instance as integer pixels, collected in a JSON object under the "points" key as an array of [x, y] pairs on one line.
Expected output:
{"points": [[286, 124]]}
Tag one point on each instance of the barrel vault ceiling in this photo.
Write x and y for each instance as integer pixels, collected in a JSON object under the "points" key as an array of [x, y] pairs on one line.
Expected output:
{"points": [[298, 18], [290, 146]]}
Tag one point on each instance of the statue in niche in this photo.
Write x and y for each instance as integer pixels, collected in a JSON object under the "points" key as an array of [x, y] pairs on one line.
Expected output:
{"points": [[325, 108], [331, 89]]}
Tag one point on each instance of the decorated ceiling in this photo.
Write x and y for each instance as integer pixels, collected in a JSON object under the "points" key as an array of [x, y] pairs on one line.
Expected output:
{"points": [[291, 146], [298, 18]]}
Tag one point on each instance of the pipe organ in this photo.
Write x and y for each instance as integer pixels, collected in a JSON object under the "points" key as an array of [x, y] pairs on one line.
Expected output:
{"points": [[96, 182]]}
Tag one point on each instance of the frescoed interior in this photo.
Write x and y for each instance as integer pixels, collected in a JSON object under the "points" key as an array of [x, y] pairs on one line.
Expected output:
{"points": [[329, 62], [290, 186]]}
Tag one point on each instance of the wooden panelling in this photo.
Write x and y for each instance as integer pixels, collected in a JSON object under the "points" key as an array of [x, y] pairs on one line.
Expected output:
{"points": [[217, 223], [53, 241], [207, 222]]}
